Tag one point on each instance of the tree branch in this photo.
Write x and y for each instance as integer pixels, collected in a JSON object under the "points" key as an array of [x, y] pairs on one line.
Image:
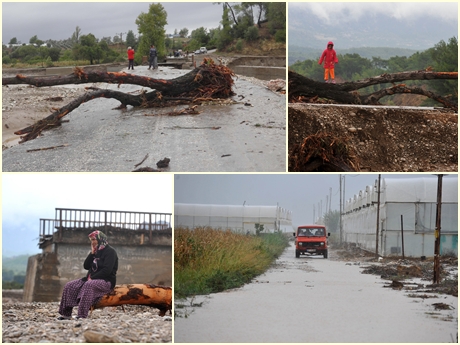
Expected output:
{"points": [[374, 97], [204, 82], [301, 87]]}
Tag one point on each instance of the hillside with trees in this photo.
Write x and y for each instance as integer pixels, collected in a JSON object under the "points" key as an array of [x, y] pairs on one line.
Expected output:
{"points": [[443, 57], [257, 28]]}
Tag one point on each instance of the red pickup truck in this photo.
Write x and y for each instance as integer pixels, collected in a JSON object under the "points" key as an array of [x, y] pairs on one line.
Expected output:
{"points": [[311, 239]]}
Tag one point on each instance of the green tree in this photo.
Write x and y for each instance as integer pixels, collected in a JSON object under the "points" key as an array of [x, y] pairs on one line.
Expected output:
{"points": [[14, 40], [259, 228], [88, 48], [33, 39], [257, 10], [445, 56], [25, 53], [183, 32], [225, 34], [44, 54], [276, 15], [131, 40], [151, 26], [54, 53], [252, 34], [168, 43], [193, 45], [200, 35], [76, 35], [350, 66], [331, 220], [213, 38]]}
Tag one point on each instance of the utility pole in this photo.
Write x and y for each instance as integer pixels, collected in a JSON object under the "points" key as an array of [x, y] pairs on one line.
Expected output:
{"points": [[378, 221], [321, 210], [330, 199], [344, 200], [121, 39], [437, 233], [340, 209]]}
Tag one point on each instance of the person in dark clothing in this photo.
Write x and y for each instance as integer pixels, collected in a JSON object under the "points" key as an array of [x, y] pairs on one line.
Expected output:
{"points": [[102, 266], [152, 57]]}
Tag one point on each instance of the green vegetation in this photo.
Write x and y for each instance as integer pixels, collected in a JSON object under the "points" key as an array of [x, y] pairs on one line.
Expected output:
{"points": [[443, 57], [14, 271], [208, 260], [332, 220], [151, 28], [247, 28]]}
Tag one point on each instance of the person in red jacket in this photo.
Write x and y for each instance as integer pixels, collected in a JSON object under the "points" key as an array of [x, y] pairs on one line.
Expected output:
{"points": [[330, 59], [130, 58]]}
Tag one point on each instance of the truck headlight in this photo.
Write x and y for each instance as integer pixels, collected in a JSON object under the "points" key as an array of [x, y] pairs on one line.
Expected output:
{"points": [[300, 243], [322, 243]]}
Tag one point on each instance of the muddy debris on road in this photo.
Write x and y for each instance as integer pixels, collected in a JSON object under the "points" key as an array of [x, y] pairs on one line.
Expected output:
{"points": [[410, 274]]}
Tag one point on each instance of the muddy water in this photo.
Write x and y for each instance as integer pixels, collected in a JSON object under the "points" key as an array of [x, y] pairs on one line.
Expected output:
{"points": [[312, 299]]}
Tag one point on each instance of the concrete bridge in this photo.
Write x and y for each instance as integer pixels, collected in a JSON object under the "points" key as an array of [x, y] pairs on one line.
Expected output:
{"points": [[143, 242]]}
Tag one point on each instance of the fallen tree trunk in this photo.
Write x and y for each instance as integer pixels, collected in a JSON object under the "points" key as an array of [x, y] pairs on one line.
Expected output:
{"points": [[304, 89], [204, 82], [140, 294]]}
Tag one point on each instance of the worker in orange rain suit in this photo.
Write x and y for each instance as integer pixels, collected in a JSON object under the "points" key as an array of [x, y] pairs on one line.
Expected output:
{"points": [[330, 58]]}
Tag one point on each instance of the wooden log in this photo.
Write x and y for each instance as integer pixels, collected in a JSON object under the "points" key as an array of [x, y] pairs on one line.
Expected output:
{"points": [[139, 294], [301, 87], [204, 82]]}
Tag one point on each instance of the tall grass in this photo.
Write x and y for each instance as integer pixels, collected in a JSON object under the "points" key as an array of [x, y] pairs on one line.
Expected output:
{"points": [[208, 260]]}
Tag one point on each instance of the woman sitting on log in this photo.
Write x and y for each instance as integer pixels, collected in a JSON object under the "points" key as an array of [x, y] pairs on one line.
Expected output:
{"points": [[102, 266]]}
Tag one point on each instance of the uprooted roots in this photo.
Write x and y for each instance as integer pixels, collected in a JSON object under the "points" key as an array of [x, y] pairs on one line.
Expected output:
{"points": [[323, 152]]}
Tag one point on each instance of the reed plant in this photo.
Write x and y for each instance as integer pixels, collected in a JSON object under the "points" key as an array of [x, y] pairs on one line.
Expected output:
{"points": [[210, 260]]}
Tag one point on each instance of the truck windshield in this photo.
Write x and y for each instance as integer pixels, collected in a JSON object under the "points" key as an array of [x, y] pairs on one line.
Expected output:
{"points": [[310, 232]]}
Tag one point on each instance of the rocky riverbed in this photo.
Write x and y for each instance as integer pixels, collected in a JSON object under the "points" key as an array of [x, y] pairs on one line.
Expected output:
{"points": [[36, 322]]}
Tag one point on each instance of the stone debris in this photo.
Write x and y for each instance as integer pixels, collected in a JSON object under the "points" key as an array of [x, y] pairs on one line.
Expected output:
{"points": [[36, 322], [385, 139]]}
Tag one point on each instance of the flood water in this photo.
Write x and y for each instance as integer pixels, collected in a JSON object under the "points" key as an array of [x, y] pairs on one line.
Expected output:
{"points": [[311, 299]]}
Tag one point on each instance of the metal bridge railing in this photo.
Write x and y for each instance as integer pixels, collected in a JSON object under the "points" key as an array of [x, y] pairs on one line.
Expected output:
{"points": [[69, 219]]}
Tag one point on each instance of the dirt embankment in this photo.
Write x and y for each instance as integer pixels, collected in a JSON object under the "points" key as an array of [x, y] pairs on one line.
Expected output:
{"points": [[384, 139]]}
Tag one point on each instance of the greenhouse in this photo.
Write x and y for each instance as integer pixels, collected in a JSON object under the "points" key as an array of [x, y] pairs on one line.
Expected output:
{"points": [[241, 219], [407, 212]]}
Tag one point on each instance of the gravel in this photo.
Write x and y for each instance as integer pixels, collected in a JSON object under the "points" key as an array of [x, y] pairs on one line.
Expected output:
{"points": [[390, 139], [36, 322]]}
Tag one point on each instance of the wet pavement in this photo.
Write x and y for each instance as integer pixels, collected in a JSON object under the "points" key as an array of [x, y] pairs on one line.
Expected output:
{"points": [[310, 300], [249, 136]]}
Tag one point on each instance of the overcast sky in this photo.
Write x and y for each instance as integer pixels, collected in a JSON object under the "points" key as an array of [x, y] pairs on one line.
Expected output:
{"points": [[58, 20], [28, 197], [295, 192], [335, 12]]}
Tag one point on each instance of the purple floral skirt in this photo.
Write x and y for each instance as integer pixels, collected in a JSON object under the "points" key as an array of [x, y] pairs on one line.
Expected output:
{"points": [[82, 294]]}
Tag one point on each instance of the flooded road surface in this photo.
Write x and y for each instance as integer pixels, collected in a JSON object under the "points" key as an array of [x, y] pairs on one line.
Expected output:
{"points": [[312, 299], [247, 136]]}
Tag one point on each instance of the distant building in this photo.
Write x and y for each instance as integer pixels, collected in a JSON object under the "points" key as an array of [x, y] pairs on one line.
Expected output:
{"points": [[413, 199], [237, 218]]}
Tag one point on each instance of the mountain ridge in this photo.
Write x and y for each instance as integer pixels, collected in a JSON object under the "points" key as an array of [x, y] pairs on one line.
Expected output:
{"points": [[298, 53]]}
